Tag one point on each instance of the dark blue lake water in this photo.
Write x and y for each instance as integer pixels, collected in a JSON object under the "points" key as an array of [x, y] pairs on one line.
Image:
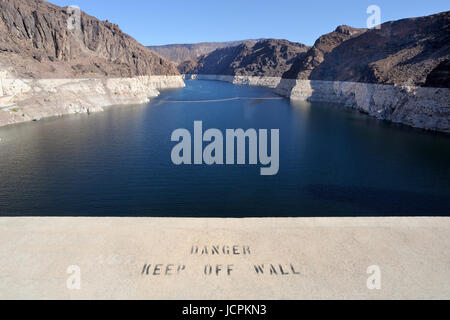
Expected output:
{"points": [[333, 162]]}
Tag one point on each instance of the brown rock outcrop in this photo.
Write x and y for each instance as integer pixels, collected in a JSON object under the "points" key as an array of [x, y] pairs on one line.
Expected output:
{"points": [[305, 64], [270, 58], [412, 52], [35, 42]]}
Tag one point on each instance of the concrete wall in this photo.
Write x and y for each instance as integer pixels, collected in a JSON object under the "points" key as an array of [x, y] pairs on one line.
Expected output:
{"points": [[321, 258]]}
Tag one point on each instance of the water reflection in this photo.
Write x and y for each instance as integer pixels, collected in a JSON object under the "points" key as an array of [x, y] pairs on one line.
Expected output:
{"points": [[334, 162]]}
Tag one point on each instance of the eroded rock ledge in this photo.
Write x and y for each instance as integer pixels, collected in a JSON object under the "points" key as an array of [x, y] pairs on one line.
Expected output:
{"points": [[23, 100], [419, 107]]}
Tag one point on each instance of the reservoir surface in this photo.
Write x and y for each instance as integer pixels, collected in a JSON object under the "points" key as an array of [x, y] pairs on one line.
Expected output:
{"points": [[334, 161]]}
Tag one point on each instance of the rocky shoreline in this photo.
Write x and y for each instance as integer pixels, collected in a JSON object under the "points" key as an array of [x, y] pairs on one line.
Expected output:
{"points": [[23, 100], [419, 107]]}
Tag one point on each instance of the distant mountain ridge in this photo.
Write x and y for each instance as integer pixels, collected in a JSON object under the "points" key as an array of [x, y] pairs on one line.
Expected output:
{"points": [[35, 42], [179, 53], [270, 57]]}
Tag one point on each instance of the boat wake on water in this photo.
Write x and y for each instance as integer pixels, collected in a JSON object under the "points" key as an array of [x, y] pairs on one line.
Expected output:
{"points": [[221, 100]]}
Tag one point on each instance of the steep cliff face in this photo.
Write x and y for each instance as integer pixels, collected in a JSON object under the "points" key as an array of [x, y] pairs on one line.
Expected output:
{"points": [[316, 55], [409, 52], [49, 69], [36, 42], [440, 76], [269, 58], [179, 53]]}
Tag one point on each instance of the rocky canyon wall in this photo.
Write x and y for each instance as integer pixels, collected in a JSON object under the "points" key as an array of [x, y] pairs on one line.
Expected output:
{"points": [[56, 61]]}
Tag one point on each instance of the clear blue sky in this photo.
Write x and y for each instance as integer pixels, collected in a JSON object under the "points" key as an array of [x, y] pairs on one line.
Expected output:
{"points": [[154, 22]]}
